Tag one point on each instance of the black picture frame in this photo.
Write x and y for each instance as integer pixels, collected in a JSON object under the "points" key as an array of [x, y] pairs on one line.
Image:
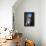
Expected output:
{"points": [[28, 18]]}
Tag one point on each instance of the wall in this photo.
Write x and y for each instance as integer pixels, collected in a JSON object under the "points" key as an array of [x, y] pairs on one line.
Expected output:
{"points": [[33, 33], [43, 22], [6, 13]]}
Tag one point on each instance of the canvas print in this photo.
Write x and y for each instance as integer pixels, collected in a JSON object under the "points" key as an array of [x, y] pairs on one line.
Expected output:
{"points": [[28, 18]]}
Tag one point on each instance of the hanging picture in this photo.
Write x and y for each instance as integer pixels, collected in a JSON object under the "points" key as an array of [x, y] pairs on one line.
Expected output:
{"points": [[28, 18]]}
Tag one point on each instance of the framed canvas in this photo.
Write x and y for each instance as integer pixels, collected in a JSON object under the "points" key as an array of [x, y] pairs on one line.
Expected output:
{"points": [[28, 18]]}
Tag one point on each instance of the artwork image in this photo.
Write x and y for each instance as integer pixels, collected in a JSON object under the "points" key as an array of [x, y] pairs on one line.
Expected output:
{"points": [[28, 18]]}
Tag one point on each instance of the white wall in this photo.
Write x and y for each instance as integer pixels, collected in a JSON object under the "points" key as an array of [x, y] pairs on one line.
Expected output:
{"points": [[33, 33], [43, 22], [6, 13]]}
